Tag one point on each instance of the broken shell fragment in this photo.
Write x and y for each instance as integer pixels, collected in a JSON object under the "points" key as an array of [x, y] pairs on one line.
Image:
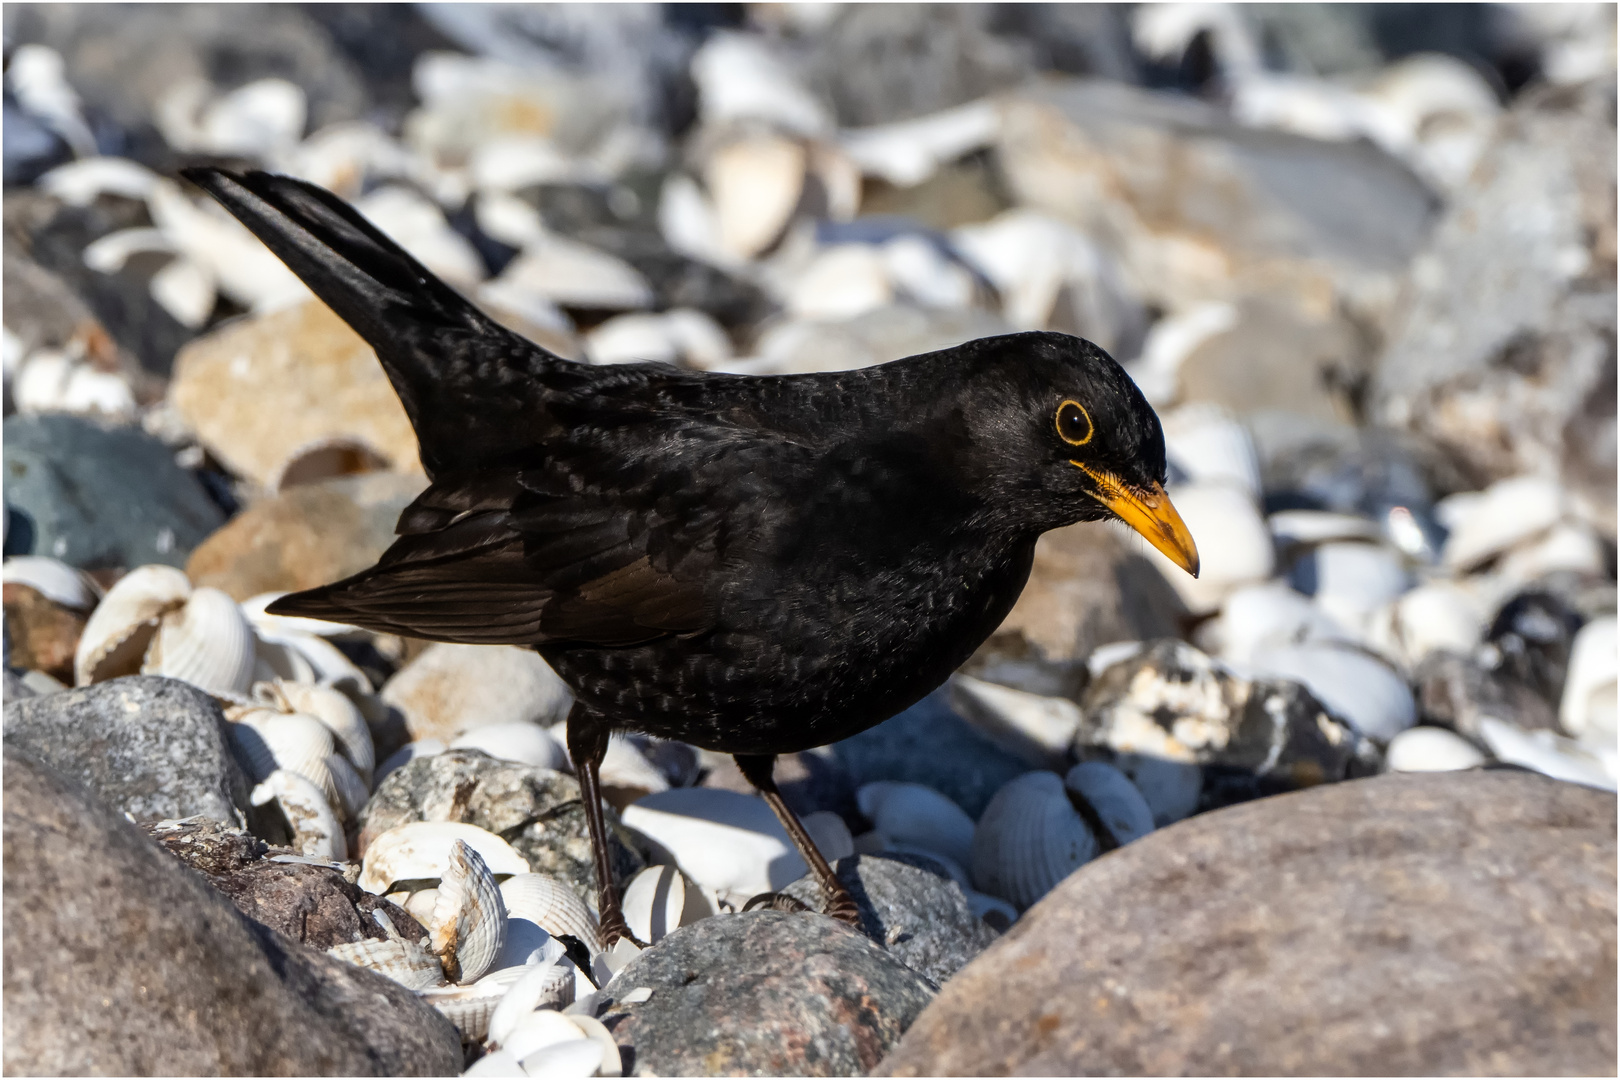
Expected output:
{"points": [[421, 849], [409, 963], [315, 827], [661, 899], [116, 637]]}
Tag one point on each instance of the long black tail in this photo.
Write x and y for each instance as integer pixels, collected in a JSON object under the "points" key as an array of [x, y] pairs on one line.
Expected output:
{"points": [[465, 380]]}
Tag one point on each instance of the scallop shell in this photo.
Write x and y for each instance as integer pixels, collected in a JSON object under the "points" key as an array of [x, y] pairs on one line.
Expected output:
{"points": [[551, 905], [469, 1007], [546, 984], [661, 899], [468, 925], [528, 744], [118, 632], [1118, 804], [53, 579], [1029, 838], [1035, 728], [421, 849], [315, 827], [207, 643], [409, 963], [338, 712], [917, 815]]}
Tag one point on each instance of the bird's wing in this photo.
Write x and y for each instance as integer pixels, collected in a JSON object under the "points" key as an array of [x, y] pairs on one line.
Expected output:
{"points": [[607, 552]]}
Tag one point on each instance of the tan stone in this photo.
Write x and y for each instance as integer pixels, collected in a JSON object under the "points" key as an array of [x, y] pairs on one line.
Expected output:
{"points": [[42, 634]]}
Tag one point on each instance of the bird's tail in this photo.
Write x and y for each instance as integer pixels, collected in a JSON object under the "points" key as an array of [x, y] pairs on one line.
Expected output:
{"points": [[456, 371]]}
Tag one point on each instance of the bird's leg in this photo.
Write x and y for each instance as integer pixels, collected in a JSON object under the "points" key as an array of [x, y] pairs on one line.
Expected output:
{"points": [[757, 769], [587, 742]]}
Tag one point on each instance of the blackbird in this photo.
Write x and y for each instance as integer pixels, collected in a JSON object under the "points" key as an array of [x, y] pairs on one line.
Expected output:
{"points": [[755, 565]]}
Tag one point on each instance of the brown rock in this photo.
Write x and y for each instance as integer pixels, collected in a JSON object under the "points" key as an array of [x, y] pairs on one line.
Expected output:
{"points": [[261, 391], [308, 535], [43, 634], [1087, 588], [1406, 924]]}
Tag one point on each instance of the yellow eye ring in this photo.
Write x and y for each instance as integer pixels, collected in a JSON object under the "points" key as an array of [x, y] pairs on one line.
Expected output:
{"points": [[1070, 416]]}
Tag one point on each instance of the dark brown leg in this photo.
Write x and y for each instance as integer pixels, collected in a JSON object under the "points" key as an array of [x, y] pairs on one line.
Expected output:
{"points": [[757, 769], [587, 742]]}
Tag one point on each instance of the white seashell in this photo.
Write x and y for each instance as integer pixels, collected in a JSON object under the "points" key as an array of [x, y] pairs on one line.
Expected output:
{"points": [[681, 334], [1117, 802], [53, 579], [245, 269], [538, 1030], [755, 183], [516, 162], [185, 289], [266, 740], [254, 120], [421, 904], [552, 906], [573, 274], [449, 689], [468, 925], [1211, 447], [118, 632], [331, 667], [52, 381], [1036, 728], [723, 840], [543, 985], [625, 768], [661, 899], [352, 793], [522, 742], [1548, 753], [499, 1063], [409, 963], [275, 661], [1319, 526], [207, 643], [1587, 709], [1269, 614], [907, 152], [841, 282], [612, 1064], [918, 815], [922, 272], [1233, 543], [405, 755], [470, 1007], [739, 78], [607, 964], [421, 849], [687, 220], [1430, 618], [338, 712], [108, 254], [1353, 685], [1171, 788], [571, 1060], [417, 224], [1431, 749], [1485, 524], [1569, 546], [80, 183], [1029, 838], [315, 828]]}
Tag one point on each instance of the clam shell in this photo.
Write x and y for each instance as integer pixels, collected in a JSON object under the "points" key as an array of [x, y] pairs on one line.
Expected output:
{"points": [[661, 899], [53, 579], [755, 183], [551, 905], [338, 712], [315, 828], [914, 814], [539, 1030], [469, 1007], [1034, 727], [275, 662], [723, 840], [1117, 802], [266, 741], [421, 849], [522, 742], [468, 925], [546, 984], [118, 632], [567, 1060], [1029, 838], [1431, 749], [409, 963], [207, 643]]}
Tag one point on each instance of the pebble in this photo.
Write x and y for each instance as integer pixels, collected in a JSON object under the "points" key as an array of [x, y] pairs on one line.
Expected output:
{"points": [[41, 635], [150, 747], [1361, 689], [155, 971], [766, 993], [449, 689], [1208, 944], [1431, 749], [97, 497], [1455, 692]]}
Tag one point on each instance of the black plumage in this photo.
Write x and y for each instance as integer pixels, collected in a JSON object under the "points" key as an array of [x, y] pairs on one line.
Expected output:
{"points": [[756, 565]]}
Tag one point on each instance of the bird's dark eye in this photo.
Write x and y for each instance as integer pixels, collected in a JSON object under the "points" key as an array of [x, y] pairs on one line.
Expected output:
{"points": [[1074, 424]]}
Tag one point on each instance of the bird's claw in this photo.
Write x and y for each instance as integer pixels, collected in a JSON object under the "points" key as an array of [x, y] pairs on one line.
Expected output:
{"points": [[775, 901]]}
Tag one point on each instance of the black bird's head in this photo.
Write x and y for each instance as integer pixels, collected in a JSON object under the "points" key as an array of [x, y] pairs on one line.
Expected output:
{"points": [[1072, 437]]}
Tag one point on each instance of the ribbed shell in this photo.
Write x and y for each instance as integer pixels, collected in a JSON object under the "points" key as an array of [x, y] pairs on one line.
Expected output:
{"points": [[409, 963], [468, 925], [118, 632], [315, 827], [1029, 838], [267, 740], [1117, 802], [350, 788], [552, 906], [207, 643], [421, 849], [470, 1007], [333, 708]]}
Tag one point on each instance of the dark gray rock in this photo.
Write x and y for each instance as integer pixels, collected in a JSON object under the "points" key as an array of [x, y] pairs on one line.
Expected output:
{"points": [[1455, 692], [537, 811], [762, 993], [1529, 639], [313, 905], [120, 961], [103, 497], [929, 744], [150, 747], [910, 907], [1194, 737], [1402, 925]]}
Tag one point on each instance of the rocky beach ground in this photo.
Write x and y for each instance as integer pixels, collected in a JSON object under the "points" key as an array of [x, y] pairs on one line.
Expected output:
{"points": [[1344, 804]]}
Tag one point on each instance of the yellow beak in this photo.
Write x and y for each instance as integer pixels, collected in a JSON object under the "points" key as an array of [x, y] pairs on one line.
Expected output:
{"points": [[1149, 513]]}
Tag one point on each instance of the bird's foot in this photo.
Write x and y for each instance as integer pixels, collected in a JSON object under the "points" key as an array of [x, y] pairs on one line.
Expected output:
{"points": [[775, 901], [614, 929], [838, 904]]}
